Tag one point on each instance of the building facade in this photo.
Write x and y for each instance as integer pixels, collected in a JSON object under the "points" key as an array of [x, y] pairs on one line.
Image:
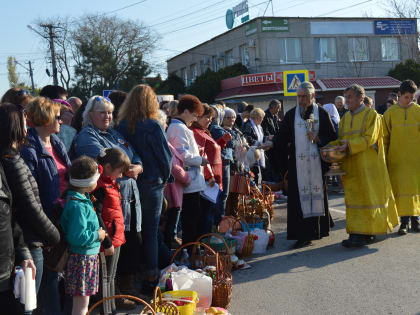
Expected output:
{"points": [[330, 47]]}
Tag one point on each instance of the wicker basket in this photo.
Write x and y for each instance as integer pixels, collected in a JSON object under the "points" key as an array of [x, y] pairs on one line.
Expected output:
{"points": [[248, 245], [222, 282], [268, 199], [148, 309], [224, 256], [162, 306]]}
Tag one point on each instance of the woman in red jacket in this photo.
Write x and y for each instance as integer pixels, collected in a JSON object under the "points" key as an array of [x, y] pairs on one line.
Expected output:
{"points": [[107, 202], [211, 150]]}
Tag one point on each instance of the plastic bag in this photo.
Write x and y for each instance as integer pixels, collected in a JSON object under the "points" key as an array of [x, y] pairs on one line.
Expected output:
{"points": [[190, 280], [260, 243]]}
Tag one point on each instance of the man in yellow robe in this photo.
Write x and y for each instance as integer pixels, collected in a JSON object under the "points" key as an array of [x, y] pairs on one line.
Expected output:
{"points": [[370, 204], [402, 149]]}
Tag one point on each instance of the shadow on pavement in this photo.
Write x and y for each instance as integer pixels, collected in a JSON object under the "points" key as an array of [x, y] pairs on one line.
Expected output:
{"points": [[284, 260]]}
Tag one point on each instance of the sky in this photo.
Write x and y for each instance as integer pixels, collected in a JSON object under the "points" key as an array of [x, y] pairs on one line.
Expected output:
{"points": [[181, 24]]}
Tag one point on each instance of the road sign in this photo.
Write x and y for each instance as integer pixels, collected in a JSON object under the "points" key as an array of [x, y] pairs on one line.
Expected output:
{"points": [[105, 93], [274, 25], [292, 79]]}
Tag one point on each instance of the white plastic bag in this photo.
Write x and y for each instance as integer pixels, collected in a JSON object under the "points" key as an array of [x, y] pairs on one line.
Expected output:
{"points": [[260, 244], [186, 279]]}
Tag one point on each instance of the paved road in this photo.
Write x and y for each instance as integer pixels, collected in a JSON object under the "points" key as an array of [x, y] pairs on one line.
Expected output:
{"points": [[327, 278]]}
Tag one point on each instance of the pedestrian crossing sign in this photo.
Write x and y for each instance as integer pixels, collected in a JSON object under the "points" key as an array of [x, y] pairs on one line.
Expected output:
{"points": [[292, 79]]}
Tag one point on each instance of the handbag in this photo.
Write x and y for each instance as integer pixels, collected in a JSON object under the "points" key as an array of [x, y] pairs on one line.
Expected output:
{"points": [[239, 184], [55, 257]]}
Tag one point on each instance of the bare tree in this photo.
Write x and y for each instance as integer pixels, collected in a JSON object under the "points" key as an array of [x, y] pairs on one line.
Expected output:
{"points": [[403, 8], [107, 48]]}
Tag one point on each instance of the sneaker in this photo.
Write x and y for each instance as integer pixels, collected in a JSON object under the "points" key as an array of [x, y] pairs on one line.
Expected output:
{"points": [[403, 229], [125, 304]]}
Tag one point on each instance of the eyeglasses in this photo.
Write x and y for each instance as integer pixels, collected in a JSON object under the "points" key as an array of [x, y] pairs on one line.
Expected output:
{"points": [[22, 92], [58, 117]]}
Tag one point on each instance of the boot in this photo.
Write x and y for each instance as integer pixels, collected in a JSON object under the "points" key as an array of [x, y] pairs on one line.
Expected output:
{"points": [[355, 240], [125, 304], [125, 284]]}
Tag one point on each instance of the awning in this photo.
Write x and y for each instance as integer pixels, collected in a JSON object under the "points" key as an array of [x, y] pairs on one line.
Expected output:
{"points": [[339, 84], [255, 90]]}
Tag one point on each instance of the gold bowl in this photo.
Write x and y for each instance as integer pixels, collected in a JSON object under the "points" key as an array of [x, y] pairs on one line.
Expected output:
{"points": [[331, 154]]}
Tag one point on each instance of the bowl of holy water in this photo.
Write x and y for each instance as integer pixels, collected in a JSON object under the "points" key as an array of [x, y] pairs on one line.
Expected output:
{"points": [[333, 155]]}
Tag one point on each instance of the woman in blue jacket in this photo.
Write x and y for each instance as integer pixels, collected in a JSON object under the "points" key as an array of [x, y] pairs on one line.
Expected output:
{"points": [[48, 161], [137, 122]]}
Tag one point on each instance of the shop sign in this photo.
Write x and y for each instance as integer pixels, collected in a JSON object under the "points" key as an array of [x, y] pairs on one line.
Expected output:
{"points": [[274, 25], [395, 27]]}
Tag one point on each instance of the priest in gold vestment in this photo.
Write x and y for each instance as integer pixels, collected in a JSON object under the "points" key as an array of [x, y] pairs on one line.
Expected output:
{"points": [[402, 149], [370, 204]]}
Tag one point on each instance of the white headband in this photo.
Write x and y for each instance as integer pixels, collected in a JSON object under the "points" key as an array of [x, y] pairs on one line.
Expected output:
{"points": [[86, 182]]}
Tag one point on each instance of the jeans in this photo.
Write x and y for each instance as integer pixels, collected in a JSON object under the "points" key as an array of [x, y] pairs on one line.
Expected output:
{"points": [[190, 216], [151, 204], [107, 279], [221, 199], [49, 295], [38, 259], [172, 217], [414, 220], [130, 252]]}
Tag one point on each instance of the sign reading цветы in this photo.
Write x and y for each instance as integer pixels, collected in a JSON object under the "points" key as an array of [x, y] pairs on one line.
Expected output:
{"points": [[274, 25]]}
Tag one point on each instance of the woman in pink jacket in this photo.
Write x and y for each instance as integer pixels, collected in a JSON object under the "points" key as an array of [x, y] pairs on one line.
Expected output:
{"points": [[174, 191]]}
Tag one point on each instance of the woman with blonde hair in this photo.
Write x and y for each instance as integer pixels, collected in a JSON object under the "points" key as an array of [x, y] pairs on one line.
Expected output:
{"points": [[137, 122], [47, 159], [97, 135]]}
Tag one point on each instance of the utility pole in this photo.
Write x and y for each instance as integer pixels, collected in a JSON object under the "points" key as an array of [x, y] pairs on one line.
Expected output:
{"points": [[31, 74], [52, 48]]}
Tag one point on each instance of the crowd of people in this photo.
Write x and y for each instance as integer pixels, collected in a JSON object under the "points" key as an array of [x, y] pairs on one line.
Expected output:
{"points": [[130, 176], [126, 177]]}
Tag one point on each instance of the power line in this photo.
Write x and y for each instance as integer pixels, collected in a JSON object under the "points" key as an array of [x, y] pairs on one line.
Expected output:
{"points": [[126, 7], [350, 6], [176, 18], [184, 28]]}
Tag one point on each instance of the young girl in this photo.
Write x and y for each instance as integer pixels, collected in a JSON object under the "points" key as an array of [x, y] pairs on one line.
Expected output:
{"points": [[81, 227], [108, 208]]}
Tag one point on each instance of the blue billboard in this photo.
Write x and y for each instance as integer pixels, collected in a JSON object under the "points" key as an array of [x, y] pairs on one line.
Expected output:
{"points": [[395, 27]]}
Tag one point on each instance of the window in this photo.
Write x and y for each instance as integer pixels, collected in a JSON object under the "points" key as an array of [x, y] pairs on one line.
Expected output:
{"points": [[214, 63], [202, 67], [184, 76], [358, 49], [220, 61], [290, 50], [193, 71], [228, 58], [325, 50], [390, 49], [244, 55]]}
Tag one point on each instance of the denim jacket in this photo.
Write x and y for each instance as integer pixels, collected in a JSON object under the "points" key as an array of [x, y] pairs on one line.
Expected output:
{"points": [[91, 141], [217, 132], [43, 167], [150, 143]]}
